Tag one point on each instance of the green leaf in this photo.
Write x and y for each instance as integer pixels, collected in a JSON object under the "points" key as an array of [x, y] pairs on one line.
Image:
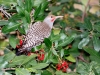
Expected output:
{"points": [[40, 66], [3, 44], [83, 42], [47, 42], [13, 41], [88, 24], [37, 11], [96, 43], [9, 56], [11, 27], [71, 58], [68, 40], [20, 3], [28, 5], [20, 60], [38, 2], [20, 11], [46, 72], [56, 31], [28, 58], [3, 22], [27, 16], [91, 52], [22, 71], [21, 29], [54, 52]]}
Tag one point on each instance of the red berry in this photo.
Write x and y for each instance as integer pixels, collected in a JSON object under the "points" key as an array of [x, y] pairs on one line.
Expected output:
{"points": [[41, 57], [18, 46], [64, 63], [29, 53], [21, 42], [64, 69], [58, 66]]}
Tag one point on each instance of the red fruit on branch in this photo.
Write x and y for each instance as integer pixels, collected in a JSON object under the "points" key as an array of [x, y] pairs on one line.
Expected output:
{"points": [[21, 42], [58, 66], [41, 57]]}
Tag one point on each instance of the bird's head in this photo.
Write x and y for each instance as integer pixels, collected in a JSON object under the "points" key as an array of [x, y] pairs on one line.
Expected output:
{"points": [[50, 19]]}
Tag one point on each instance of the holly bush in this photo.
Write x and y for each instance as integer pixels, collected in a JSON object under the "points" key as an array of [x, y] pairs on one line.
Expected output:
{"points": [[72, 48]]}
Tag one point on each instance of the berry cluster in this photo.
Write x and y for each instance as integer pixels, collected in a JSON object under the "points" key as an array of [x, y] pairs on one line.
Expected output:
{"points": [[40, 54], [62, 66], [20, 44]]}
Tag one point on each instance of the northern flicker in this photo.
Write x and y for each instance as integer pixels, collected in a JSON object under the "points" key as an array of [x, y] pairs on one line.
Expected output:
{"points": [[37, 33]]}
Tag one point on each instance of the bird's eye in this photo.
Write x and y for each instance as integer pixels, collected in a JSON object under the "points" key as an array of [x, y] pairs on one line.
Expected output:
{"points": [[51, 16]]}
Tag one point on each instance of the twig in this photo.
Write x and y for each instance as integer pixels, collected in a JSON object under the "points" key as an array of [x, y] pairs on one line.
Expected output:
{"points": [[8, 69], [83, 16], [5, 13]]}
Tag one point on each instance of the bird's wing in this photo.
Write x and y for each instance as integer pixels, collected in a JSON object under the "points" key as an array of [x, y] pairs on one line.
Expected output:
{"points": [[35, 35]]}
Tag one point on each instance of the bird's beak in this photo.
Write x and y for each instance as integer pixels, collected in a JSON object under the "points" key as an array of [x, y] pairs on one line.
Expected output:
{"points": [[59, 17]]}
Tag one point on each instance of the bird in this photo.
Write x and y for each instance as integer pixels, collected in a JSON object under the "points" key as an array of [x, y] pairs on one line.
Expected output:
{"points": [[37, 33]]}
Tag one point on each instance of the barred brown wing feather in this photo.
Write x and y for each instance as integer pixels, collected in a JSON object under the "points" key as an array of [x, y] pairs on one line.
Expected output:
{"points": [[35, 35]]}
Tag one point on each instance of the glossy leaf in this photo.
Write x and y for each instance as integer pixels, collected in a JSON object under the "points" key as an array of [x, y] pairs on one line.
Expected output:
{"points": [[20, 11], [27, 16], [88, 24], [9, 56], [13, 41], [54, 52], [28, 5], [40, 66], [71, 58], [38, 2], [22, 71], [96, 43], [68, 40], [47, 42], [11, 27], [4, 22], [83, 42], [37, 11], [92, 52]]}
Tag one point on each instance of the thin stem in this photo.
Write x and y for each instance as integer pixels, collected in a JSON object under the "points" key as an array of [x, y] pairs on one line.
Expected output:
{"points": [[83, 16]]}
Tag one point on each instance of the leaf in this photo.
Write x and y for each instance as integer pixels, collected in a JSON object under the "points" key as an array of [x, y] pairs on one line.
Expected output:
{"points": [[21, 29], [20, 11], [88, 24], [96, 43], [27, 16], [68, 40], [40, 66], [38, 2], [71, 58], [27, 59], [37, 11], [22, 71], [54, 52], [13, 41], [28, 5], [83, 42], [10, 27], [9, 56], [3, 22], [20, 3], [92, 52], [47, 42], [56, 31], [46, 72], [3, 44], [20, 60]]}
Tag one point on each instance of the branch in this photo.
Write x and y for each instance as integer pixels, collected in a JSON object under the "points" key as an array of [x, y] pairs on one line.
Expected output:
{"points": [[84, 12], [8, 69], [5, 13]]}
